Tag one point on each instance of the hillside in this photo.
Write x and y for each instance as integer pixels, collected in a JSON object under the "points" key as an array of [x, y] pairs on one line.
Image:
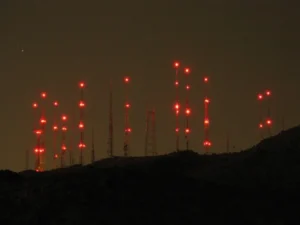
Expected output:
{"points": [[257, 186]]}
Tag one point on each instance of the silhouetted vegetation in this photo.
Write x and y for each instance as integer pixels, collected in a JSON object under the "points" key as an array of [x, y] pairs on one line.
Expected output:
{"points": [[256, 186]]}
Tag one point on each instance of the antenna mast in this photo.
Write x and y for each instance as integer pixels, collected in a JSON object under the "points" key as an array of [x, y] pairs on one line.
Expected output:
{"points": [[127, 127]]}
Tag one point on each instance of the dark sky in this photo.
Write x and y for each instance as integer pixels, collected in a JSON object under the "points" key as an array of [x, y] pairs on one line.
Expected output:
{"points": [[244, 46]]}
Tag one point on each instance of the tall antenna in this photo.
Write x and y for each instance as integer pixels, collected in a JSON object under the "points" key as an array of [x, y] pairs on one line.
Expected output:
{"points": [[37, 131], [269, 121], [150, 139], [187, 109], [177, 105], [81, 123], [260, 98], [55, 133], [93, 148], [127, 126], [207, 142], [110, 125], [39, 167], [63, 141]]}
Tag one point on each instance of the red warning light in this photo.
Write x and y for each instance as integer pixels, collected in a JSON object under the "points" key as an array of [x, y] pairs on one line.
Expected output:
{"points": [[260, 97], [207, 143], [205, 79], [34, 105], [64, 147], [188, 111], [177, 106], [36, 150], [128, 130], [41, 150], [64, 128], [269, 122], [81, 85], [81, 125], [43, 94], [176, 83], [55, 103], [81, 104], [38, 132], [177, 130], [187, 130], [268, 93], [176, 65], [177, 112], [206, 121], [187, 87], [55, 128], [127, 105], [206, 101], [126, 79], [187, 71], [56, 156], [261, 126], [81, 145], [43, 121], [64, 118]]}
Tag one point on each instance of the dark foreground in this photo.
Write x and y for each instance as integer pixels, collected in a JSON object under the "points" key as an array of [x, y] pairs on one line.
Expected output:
{"points": [[258, 186]]}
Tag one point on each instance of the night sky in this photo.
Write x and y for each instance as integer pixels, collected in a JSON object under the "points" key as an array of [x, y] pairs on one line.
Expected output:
{"points": [[243, 46]]}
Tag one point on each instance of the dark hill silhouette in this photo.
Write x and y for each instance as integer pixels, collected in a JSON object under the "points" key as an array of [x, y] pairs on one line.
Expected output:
{"points": [[256, 186]]}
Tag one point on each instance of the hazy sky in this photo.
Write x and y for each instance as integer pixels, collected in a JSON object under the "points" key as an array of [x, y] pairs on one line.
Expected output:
{"points": [[244, 46]]}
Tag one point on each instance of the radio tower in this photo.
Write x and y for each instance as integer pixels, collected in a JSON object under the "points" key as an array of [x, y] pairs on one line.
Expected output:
{"points": [[177, 105], [110, 125], [269, 121], [127, 127], [35, 129], [187, 109], [207, 142], [64, 130], [41, 144], [260, 98], [93, 148], [81, 124], [55, 133], [150, 140]]}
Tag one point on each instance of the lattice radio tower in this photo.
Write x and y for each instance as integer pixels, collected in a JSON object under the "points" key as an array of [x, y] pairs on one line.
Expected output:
{"points": [[64, 130], [55, 134], [207, 143], [187, 130], [81, 125], [127, 128], [177, 104]]}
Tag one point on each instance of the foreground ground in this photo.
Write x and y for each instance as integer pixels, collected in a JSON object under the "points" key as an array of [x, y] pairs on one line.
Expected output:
{"points": [[257, 186]]}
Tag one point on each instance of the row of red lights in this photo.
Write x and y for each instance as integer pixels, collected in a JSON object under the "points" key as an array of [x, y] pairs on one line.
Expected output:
{"points": [[260, 97]]}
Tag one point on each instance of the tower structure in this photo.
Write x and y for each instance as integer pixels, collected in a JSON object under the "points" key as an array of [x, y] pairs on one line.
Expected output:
{"points": [[110, 125], [269, 121], [150, 139], [81, 125], [127, 128], [177, 104], [207, 143], [187, 109], [64, 130], [37, 131], [55, 135], [260, 98], [41, 136]]}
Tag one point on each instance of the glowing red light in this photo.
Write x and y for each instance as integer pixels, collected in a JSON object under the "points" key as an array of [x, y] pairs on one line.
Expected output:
{"points": [[177, 112], [188, 87], [81, 104], [187, 130], [176, 83], [41, 150], [38, 132], [176, 65], [206, 121], [127, 105], [55, 103], [34, 105], [43, 121], [205, 79], [64, 128], [260, 97], [81, 85], [36, 150], [187, 70], [81, 125], [268, 93], [128, 130], [261, 125], [188, 111], [177, 106], [81, 145], [55, 128], [56, 156], [269, 122], [177, 130], [64, 147], [64, 118], [207, 143], [43, 94], [206, 100], [126, 79]]}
